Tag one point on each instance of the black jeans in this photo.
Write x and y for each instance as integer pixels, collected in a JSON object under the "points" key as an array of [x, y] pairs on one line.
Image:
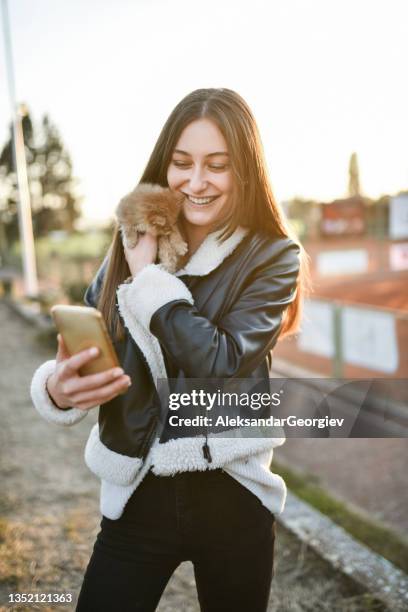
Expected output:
{"points": [[205, 517]]}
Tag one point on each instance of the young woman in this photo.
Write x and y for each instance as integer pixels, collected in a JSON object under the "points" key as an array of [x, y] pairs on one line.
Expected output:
{"points": [[166, 499]]}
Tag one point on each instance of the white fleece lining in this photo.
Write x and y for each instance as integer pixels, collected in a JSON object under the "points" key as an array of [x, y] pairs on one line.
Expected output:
{"points": [[254, 474], [211, 253], [186, 454], [108, 464], [148, 344], [43, 403], [151, 288], [114, 497]]}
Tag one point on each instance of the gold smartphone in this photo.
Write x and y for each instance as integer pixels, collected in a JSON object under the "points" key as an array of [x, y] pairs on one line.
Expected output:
{"points": [[82, 327]]}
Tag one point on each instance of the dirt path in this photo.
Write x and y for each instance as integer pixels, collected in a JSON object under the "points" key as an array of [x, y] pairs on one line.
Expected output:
{"points": [[49, 512]]}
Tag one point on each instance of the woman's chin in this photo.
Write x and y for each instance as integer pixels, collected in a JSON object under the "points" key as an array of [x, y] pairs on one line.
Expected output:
{"points": [[198, 217]]}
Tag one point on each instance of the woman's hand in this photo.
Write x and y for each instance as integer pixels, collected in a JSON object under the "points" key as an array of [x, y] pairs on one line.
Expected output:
{"points": [[143, 254], [70, 390]]}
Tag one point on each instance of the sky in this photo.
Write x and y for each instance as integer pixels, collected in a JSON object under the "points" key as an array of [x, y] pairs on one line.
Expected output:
{"points": [[323, 78]]}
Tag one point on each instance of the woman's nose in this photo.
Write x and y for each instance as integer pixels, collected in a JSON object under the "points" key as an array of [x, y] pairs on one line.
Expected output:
{"points": [[197, 180]]}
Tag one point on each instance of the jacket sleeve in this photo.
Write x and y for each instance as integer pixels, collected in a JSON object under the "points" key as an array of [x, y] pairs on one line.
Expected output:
{"points": [[239, 341], [43, 402]]}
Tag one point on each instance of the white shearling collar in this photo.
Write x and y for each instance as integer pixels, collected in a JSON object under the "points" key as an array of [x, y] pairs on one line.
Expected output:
{"points": [[211, 253]]}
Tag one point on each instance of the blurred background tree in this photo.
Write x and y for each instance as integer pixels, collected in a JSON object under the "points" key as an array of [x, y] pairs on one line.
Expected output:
{"points": [[54, 203]]}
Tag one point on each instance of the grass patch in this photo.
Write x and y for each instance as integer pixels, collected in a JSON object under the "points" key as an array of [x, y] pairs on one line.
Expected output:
{"points": [[14, 553], [371, 533], [76, 524]]}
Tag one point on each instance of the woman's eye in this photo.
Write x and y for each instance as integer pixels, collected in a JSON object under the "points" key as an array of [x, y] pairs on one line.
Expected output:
{"points": [[218, 166], [180, 164], [214, 167]]}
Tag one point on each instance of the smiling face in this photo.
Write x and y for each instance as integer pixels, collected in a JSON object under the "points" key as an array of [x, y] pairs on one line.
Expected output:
{"points": [[200, 169]]}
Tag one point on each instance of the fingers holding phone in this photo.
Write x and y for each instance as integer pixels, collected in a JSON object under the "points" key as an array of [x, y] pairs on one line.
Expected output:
{"points": [[88, 372], [68, 389]]}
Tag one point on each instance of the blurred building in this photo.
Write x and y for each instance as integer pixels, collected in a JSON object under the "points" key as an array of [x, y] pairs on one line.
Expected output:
{"points": [[346, 217], [356, 320]]}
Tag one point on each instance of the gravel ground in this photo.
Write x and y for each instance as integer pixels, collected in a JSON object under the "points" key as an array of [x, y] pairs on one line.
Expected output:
{"points": [[49, 513]]}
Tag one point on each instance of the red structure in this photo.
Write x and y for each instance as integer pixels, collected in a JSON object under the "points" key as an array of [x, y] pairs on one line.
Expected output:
{"points": [[345, 217]]}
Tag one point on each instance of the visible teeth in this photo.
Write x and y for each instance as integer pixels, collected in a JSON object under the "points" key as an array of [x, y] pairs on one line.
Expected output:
{"points": [[200, 200]]}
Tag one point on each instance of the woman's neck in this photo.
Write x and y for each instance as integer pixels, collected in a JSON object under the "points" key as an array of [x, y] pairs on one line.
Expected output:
{"points": [[195, 235]]}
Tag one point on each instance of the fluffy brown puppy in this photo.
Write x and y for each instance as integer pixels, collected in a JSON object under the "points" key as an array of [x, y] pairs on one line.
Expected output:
{"points": [[154, 209]]}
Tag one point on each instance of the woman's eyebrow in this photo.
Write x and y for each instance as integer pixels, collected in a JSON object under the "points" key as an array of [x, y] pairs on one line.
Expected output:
{"points": [[209, 155]]}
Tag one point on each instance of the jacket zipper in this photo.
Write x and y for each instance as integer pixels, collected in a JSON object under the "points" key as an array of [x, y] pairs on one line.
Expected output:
{"points": [[206, 451], [206, 448]]}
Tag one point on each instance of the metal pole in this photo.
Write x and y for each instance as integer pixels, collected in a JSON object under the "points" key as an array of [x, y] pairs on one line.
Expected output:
{"points": [[24, 208], [338, 359]]}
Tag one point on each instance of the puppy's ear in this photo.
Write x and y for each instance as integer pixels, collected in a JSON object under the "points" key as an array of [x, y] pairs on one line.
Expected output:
{"points": [[122, 233]]}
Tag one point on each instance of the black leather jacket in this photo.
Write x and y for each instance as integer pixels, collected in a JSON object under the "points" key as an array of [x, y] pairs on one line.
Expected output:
{"points": [[228, 331]]}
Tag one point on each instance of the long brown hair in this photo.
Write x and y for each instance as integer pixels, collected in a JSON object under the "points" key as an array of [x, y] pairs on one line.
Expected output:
{"points": [[253, 204]]}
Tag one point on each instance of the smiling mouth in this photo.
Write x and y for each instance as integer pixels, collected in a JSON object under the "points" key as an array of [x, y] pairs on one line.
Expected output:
{"points": [[200, 201]]}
